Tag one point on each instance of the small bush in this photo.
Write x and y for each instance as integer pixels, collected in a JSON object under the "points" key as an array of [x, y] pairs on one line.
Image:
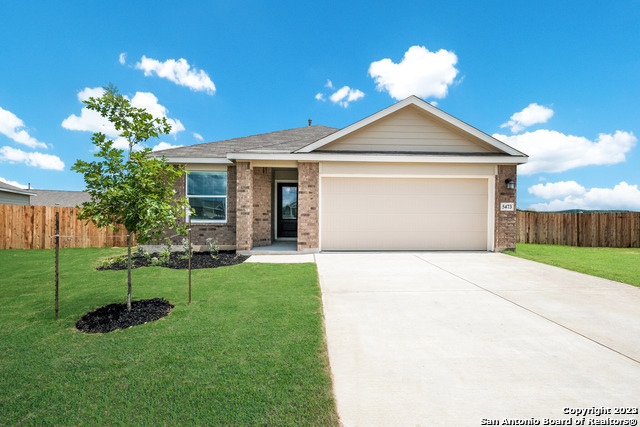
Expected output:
{"points": [[213, 248], [141, 253], [186, 248], [108, 262]]}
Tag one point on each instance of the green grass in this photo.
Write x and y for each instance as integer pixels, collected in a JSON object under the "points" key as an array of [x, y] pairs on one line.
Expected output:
{"points": [[619, 264], [249, 350]]}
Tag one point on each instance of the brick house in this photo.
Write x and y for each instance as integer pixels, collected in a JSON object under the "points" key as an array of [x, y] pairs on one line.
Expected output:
{"points": [[409, 177]]}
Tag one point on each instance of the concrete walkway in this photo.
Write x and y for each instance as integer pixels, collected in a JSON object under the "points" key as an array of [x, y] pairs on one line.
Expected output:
{"points": [[452, 339]]}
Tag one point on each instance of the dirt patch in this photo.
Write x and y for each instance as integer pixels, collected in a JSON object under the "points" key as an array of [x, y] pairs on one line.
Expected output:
{"points": [[175, 260], [115, 316]]}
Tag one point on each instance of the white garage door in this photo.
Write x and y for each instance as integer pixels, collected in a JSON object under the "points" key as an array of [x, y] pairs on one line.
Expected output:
{"points": [[404, 214]]}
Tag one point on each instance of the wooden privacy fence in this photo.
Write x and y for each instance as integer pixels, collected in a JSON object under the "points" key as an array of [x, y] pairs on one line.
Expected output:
{"points": [[614, 230], [31, 227]]}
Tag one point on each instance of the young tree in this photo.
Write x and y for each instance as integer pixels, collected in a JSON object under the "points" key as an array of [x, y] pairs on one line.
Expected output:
{"points": [[137, 191]]}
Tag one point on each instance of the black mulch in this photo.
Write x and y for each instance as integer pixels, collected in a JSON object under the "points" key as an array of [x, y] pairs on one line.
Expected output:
{"points": [[115, 316], [198, 260]]}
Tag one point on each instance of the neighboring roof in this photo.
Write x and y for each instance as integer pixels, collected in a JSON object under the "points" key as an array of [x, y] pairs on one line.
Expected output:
{"points": [[426, 107], [8, 188], [284, 141], [59, 198]]}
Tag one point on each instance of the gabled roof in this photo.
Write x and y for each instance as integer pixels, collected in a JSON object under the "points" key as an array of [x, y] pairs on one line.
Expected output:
{"points": [[8, 188], [427, 108], [304, 144], [284, 141]]}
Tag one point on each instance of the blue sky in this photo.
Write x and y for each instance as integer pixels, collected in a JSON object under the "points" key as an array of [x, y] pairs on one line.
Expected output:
{"points": [[557, 80]]}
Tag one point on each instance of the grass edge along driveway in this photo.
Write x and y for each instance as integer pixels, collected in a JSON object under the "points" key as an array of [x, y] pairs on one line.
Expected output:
{"points": [[618, 264], [249, 350]]}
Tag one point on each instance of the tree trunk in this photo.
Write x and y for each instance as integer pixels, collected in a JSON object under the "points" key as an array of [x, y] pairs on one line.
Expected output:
{"points": [[129, 271]]}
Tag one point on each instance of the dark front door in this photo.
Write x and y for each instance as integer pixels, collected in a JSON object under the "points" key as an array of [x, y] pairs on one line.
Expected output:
{"points": [[287, 210]]}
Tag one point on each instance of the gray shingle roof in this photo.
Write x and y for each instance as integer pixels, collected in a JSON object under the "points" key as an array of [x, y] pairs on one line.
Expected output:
{"points": [[288, 141], [61, 198]]}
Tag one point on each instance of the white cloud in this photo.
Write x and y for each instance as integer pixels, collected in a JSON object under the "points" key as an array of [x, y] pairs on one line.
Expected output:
{"points": [[198, 136], [179, 72], [621, 197], [149, 102], [123, 58], [92, 121], [345, 95], [342, 96], [421, 73], [552, 151], [555, 190], [88, 92], [14, 183], [164, 146], [34, 159], [531, 115], [12, 127]]}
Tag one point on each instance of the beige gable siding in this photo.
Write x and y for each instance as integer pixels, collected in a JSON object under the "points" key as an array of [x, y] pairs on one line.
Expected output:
{"points": [[410, 130]]}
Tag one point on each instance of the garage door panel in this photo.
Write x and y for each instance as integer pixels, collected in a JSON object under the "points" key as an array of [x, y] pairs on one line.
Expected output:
{"points": [[404, 214]]}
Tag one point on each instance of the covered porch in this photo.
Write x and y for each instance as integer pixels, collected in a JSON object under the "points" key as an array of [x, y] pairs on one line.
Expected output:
{"points": [[276, 207]]}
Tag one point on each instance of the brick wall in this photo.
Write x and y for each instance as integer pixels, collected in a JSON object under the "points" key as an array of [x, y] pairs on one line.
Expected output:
{"points": [[308, 199], [244, 206], [223, 233], [505, 231], [262, 179]]}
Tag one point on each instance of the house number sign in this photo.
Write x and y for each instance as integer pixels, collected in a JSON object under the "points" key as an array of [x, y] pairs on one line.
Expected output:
{"points": [[507, 206]]}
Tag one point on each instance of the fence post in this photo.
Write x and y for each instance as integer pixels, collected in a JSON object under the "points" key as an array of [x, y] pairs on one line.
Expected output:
{"points": [[57, 257]]}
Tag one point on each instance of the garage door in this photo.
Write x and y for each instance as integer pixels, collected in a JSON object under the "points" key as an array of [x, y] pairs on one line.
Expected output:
{"points": [[403, 214]]}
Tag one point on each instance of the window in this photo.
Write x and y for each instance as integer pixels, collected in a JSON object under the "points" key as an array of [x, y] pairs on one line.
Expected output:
{"points": [[207, 194]]}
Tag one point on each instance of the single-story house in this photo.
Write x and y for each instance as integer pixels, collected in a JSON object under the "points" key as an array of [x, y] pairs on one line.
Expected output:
{"points": [[12, 195], [409, 177]]}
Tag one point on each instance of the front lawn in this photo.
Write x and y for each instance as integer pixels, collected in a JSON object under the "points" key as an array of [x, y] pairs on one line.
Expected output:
{"points": [[249, 350], [619, 264]]}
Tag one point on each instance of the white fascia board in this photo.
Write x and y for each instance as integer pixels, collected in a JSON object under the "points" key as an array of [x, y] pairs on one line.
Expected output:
{"points": [[22, 192], [334, 157], [221, 160], [413, 100]]}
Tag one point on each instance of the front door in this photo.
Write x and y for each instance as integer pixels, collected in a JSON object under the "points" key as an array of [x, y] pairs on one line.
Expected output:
{"points": [[287, 210]]}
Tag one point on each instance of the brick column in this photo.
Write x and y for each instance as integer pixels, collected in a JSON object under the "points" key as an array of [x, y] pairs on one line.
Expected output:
{"points": [[261, 207], [244, 206], [308, 213], [505, 228]]}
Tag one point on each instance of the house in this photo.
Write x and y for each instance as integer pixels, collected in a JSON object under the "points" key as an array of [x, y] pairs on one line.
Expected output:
{"points": [[11, 195], [409, 177]]}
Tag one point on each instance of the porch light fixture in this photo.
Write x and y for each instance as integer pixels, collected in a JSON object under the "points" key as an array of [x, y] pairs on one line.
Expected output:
{"points": [[511, 184]]}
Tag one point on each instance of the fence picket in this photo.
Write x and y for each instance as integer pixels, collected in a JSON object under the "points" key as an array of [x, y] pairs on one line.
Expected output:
{"points": [[618, 230], [31, 227]]}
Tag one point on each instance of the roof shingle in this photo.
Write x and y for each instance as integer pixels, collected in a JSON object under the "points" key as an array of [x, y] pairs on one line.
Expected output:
{"points": [[288, 141]]}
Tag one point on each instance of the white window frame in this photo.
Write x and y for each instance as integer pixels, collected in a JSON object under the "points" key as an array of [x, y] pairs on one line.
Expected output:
{"points": [[202, 196]]}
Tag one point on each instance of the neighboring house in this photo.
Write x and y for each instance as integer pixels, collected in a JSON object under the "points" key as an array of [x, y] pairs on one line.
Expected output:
{"points": [[59, 198], [409, 177], [10, 195]]}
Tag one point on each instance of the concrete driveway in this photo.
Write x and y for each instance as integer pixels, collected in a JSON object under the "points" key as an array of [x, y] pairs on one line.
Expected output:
{"points": [[467, 338]]}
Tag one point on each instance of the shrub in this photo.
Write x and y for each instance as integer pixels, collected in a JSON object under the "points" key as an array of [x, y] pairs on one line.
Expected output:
{"points": [[213, 248], [186, 248]]}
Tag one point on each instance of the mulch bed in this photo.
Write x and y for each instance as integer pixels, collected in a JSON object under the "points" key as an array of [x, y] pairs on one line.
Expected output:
{"points": [[115, 316], [198, 260]]}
